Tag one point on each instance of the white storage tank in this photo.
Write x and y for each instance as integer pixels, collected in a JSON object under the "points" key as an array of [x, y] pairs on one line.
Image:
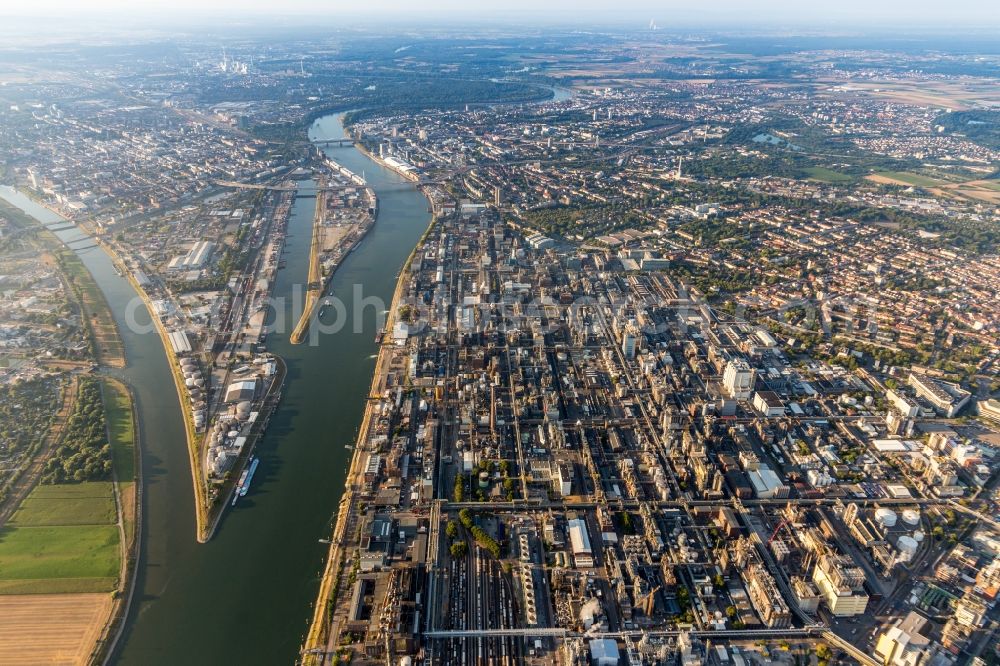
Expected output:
{"points": [[911, 517], [885, 517], [907, 546]]}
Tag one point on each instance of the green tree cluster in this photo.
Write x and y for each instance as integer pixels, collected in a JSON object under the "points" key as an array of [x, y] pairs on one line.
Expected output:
{"points": [[84, 453]]}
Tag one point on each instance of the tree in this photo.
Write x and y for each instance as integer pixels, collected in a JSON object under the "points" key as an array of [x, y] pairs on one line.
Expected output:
{"points": [[84, 454], [683, 597], [730, 611], [451, 529], [465, 517], [458, 549], [458, 491], [627, 525]]}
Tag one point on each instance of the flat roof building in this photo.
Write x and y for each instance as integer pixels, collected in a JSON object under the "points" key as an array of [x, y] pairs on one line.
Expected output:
{"points": [[604, 652], [947, 398], [768, 403], [579, 539]]}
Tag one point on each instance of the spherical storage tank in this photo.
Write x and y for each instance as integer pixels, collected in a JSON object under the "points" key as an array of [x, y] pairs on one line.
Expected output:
{"points": [[885, 517], [911, 517]]}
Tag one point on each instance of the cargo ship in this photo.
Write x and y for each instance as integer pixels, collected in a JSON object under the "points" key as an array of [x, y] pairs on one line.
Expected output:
{"points": [[243, 485]]}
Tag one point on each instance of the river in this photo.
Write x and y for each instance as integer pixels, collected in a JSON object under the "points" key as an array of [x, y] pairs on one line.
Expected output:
{"points": [[246, 596]]}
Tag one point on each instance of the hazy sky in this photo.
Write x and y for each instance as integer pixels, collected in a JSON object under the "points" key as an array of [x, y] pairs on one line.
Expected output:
{"points": [[982, 13]]}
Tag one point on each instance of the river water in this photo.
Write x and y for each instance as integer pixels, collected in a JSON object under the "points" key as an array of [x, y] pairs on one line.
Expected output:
{"points": [[246, 596]]}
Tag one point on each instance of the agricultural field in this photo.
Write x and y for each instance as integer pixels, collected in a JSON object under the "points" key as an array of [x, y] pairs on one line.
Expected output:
{"points": [[978, 190], [61, 552], [969, 93], [64, 537], [827, 175], [67, 504], [904, 178], [63, 628], [61, 558]]}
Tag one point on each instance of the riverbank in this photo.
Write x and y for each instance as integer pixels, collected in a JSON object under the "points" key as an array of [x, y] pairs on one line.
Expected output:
{"points": [[318, 637], [105, 340], [123, 434], [201, 521], [326, 239], [411, 176], [96, 620], [315, 283], [268, 404], [208, 510], [265, 554], [191, 435]]}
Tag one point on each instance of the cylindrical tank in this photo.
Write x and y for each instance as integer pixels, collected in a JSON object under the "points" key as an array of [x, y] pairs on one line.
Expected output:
{"points": [[907, 546], [885, 517], [911, 517]]}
